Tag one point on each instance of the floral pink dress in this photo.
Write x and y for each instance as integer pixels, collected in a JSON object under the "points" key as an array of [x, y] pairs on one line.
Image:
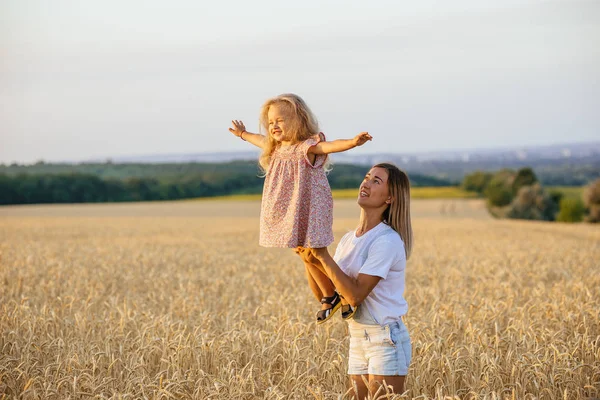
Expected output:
{"points": [[297, 206]]}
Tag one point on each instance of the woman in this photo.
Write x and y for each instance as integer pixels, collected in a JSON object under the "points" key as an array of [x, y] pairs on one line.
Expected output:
{"points": [[368, 271]]}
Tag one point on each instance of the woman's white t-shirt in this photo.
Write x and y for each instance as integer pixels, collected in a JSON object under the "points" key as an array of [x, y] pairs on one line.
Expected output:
{"points": [[379, 252]]}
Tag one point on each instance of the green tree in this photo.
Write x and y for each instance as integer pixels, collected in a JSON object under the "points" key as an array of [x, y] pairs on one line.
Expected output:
{"points": [[556, 195], [499, 190], [524, 177], [532, 202], [8, 191], [591, 198], [477, 181], [571, 210]]}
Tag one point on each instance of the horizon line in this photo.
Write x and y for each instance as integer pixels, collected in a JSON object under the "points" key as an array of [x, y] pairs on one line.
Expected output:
{"points": [[365, 154]]}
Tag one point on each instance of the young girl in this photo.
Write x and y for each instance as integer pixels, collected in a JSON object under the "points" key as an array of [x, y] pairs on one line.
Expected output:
{"points": [[297, 206]]}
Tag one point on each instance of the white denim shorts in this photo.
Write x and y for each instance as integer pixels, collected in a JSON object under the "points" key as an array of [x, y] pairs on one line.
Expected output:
{"points": [[379, 350]]}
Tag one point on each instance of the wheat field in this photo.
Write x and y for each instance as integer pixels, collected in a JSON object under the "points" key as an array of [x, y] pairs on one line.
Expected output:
{"points": [[177, 301]]}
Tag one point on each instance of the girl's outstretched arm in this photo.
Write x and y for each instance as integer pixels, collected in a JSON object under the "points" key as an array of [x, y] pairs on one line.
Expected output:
{"points": [[337, 146], [240, 131]]}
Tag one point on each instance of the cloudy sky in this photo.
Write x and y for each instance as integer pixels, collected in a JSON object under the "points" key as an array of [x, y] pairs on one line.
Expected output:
{"points": [[84, 80]]}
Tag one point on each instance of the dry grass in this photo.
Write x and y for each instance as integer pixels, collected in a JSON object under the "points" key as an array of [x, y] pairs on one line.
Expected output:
{"points": [[177, 300]]}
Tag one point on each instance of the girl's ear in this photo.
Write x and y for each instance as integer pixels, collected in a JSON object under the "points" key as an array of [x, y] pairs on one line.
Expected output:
{"points": [[389, 200]]}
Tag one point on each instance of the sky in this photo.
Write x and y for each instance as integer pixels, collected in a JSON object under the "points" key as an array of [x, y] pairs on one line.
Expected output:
{"points": [[82, 80]]}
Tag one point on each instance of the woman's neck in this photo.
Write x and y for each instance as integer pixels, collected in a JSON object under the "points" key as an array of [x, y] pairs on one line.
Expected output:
{"points": [[369, 219]]}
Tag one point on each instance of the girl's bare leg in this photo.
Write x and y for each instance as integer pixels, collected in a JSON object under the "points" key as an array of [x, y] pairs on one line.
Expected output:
{"points": [[319, 282], [318, 268], [314, 287]]}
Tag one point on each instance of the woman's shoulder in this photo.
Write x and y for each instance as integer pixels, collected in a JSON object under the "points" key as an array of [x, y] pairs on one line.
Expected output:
{"points": [[346, 238], [387, 236]]}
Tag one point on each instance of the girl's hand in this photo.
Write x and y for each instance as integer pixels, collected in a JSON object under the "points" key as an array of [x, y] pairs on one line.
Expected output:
{"points": [[320, 254], [238, 128], [311, 255], [305, 255], [362, 138]]}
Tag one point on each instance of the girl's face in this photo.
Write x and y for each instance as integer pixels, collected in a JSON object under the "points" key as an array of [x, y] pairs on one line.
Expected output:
{"points": [[374, 191], [279, 119]]}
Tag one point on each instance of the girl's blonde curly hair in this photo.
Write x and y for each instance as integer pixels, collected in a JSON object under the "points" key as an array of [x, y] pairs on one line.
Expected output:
{"points": [[300, 127]]}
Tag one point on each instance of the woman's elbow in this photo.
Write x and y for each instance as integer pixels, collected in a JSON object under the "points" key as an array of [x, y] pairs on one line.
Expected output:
{"points": [[355, 301]]}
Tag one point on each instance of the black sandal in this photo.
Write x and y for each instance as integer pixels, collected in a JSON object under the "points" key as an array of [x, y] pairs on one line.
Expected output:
{"points": [[335, 301], [348, 311]]}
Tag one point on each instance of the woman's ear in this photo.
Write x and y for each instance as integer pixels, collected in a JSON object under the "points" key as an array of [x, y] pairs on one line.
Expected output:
{"points": [[389, 200]]}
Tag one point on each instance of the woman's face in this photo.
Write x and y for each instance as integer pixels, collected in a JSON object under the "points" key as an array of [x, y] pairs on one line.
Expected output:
{"points": [[374, 192]]}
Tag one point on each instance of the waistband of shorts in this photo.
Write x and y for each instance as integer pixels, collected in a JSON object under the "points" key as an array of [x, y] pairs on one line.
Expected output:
{"points": [[358, 327]]}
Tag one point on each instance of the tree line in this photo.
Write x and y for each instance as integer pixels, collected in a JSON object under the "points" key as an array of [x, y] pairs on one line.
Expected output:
{"points": [[149, 182], [553, 172], [520, 195]]}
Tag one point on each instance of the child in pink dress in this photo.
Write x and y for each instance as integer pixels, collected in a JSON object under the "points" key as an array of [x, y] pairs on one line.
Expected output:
{"points": [[297, 206]]}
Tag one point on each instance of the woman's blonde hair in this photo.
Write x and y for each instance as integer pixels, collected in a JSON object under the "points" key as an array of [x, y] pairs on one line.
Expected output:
{"points": [[397, 214], [302, 126]]}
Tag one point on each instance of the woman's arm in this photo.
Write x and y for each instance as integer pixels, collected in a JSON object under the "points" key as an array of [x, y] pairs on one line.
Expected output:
{"points": [[354, 290], [240, 131], [337, 146]]}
